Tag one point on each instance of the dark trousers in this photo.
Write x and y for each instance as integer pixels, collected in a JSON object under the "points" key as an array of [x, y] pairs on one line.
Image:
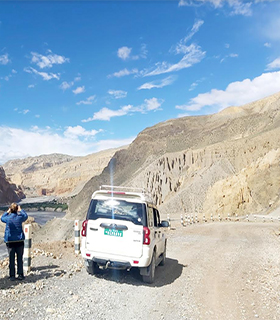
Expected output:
{"points": [[15, 248]]}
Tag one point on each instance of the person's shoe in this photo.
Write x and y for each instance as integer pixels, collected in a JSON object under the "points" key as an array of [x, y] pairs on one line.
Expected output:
{"points": [[21, 277], [12, 278]]}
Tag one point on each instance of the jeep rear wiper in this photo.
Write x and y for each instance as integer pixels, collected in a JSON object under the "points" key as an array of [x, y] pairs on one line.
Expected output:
{"points": [[113, 226]]}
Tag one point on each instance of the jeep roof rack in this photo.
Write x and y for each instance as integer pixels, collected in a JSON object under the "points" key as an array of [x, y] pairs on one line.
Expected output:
{"points": [[120, 188], [127, 190]]}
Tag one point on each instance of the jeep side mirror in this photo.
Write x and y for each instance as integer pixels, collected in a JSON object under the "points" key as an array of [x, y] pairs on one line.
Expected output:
{"points": [[164, 224]]}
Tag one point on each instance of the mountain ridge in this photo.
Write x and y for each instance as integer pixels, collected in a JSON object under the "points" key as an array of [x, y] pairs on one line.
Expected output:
{"points": [[213, 147]]}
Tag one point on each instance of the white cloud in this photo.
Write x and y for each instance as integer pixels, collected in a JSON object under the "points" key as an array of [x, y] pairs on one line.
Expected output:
{"points": [[239, 7], [25, 111], [47, 61], [236, 6], [124, 53], [89, 100], [231, 55], [181, 46], [46, 76], [267, 44], [79, 90], [196, 83], [152, 104], [181, 115], [31, 86], [6, 78], [193, 55], [79, 131], [105, 114], [66, 85], [144, 51], [4, 59], [117, 94], [193, 86], [157, 84], [275, 64], [215, 3], [237, 93], [123, 72], [35, 142], [109, 144]]}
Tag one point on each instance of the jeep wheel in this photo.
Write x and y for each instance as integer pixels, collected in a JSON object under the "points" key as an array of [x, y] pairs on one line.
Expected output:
{"points": [[150, 278], [91, 267], [162, 262]]}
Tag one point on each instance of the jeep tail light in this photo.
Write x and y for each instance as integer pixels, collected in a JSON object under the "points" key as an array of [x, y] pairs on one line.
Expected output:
{"points": [[84, 228], [146, 239]]}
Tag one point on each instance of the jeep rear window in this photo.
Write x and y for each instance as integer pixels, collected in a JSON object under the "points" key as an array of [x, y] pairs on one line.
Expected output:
{"points": [[118, 210]]}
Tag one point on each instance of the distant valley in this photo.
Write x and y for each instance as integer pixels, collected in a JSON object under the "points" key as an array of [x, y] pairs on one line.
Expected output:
{"points": [[55, 174]]}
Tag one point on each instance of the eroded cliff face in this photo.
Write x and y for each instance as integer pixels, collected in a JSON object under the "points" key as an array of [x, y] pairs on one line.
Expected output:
{"points": [[202, 165], [216, 179], [8, 192], [255, 189]]}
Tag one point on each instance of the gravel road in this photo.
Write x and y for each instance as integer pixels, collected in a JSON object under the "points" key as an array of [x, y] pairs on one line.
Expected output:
{"points": [[220, 270]]}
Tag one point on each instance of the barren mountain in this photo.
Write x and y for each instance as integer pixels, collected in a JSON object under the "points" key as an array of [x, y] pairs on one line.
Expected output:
{"points": [[56, 174], [8, 192], [225, 163]]}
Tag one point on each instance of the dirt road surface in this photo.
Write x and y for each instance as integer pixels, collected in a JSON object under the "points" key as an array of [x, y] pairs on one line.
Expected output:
{"points": [[220, 270]]}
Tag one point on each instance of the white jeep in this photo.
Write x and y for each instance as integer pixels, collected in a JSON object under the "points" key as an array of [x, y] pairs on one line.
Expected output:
{"points": [[123, 230]]}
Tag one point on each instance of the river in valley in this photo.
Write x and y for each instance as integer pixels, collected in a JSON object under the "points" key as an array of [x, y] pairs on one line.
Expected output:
{"points": [[41, 217]]}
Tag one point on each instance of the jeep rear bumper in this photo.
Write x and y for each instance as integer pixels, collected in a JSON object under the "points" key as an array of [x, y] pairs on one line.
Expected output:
{"points": [[109, 264]]}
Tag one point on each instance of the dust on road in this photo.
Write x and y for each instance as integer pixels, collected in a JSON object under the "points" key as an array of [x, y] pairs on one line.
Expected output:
{"points": [[233, 269]]}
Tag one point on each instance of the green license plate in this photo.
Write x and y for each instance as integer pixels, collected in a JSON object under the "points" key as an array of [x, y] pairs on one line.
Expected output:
{"points": [[114, 233]]}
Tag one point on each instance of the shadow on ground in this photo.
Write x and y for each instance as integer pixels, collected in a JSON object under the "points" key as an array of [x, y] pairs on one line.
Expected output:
{"points": [[164, 275], [37, 273]]}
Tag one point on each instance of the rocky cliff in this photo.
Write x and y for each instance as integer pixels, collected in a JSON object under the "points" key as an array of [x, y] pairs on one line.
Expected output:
{"points": [[8, 192], [225, 163]]}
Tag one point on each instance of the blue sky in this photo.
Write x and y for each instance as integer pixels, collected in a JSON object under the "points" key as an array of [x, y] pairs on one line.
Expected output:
{"points": [[80, 77]]}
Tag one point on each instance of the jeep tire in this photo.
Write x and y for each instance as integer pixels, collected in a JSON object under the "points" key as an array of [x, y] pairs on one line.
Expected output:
{"points": [[91, 267], [150, 277]]}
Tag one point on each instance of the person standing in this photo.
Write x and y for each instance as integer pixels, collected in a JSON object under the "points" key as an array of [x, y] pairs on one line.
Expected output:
{"points": [[14, 238]]}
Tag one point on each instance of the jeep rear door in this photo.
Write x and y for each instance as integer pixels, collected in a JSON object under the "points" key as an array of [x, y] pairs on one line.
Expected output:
{"points": [[115, 227]]}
